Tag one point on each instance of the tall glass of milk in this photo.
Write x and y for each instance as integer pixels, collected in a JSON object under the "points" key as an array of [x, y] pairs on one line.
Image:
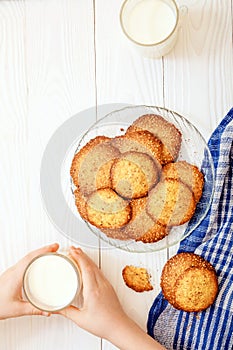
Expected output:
{"points": [[151, 25], [51, 282]]}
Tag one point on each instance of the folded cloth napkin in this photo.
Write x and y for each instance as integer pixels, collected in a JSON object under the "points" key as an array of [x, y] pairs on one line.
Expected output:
{"points": [[211, 329]]}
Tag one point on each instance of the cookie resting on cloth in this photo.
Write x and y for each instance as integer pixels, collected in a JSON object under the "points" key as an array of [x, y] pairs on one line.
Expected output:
{"points": [[189, 282]]}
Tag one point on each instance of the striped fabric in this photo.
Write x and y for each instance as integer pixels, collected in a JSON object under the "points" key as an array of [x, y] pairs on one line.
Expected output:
{"points": [[211, 329]]}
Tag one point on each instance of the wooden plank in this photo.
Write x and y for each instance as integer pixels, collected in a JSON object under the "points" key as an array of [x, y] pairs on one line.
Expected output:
{"points": [[122, 75], [198, 74], [47, 75], [126, 77], [13, 150]]}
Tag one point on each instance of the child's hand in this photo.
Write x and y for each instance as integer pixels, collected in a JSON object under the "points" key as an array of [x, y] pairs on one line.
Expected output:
{"points": [[11, 301], [102, 313], [101, 307]]}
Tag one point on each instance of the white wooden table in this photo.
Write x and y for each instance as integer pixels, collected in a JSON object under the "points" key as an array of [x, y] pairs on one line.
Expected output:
{"points": [[59, 57]]}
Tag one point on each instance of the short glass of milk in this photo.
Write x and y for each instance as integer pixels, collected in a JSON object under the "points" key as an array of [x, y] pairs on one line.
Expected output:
{"points": [[51, 282], [151, 25]]}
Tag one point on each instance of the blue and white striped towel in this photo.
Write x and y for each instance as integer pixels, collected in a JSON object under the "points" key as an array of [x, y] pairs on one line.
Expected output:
{"points": [[211, 329]]}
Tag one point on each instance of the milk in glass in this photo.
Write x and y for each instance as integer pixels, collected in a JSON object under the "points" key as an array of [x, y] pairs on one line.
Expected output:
{"points": [[51, 282], [150, 24]]}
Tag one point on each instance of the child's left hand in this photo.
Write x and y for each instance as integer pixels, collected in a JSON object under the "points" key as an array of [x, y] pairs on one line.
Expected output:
{"points": [[11, 299]]}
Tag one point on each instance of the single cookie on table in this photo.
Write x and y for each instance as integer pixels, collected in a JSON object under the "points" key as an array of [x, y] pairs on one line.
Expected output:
{"points": [[171, 203], [188, 173], [133, 174], [165, 131], [137, 278], [90, 168], [105, 209], [141, 141], [187, 277]]}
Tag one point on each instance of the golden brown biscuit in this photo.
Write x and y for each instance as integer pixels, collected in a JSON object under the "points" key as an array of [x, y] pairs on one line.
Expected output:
{"points": [[155, 234], [174, 268], [140, 141], [165, 131], [80, 202], [133, 174], [90, 168], [137, 278], [171, 203], [105, 209], [141, 227], [195, 289], [81, 154], [116, 233], [187, 173]]}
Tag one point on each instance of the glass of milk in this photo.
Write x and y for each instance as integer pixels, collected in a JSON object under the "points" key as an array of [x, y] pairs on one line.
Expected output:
{"points": [[151, 25], [51, 282]]}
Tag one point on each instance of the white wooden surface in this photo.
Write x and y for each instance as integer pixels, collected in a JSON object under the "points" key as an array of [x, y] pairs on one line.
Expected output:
{"points": [[59, 57]]}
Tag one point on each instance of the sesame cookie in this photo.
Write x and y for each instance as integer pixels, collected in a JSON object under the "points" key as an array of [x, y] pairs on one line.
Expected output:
{"points": [[196, 289], [137, 278], [90, 168], [116, 233], [140, 141], [171, 203], [187, 173], [80, 202], [141, 227], [174, 277], [105, 209], [165, 131], [133, 174]]}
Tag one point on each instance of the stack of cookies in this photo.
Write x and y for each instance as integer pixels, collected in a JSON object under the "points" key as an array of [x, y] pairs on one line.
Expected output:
{"points": [[132, 186], [189, 282]]}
